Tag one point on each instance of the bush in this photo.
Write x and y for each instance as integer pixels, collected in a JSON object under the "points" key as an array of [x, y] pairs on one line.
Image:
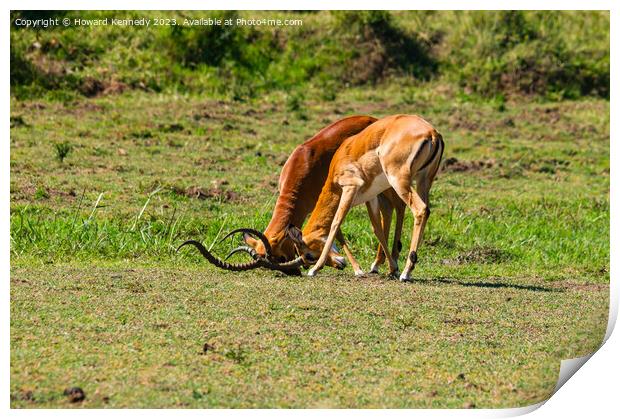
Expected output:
{"points": [[62, 150], [208, 45], [380, 47], [522, 52]]}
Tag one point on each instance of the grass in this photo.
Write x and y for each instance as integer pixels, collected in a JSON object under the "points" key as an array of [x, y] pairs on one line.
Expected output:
{"points": [[556, 54], [494, 191], [135, 337], [111, 168], [62, 150], [513, 273]]}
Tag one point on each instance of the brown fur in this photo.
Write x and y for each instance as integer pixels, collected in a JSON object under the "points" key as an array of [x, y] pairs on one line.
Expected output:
{"points": [[301, 182], [392, 152]]}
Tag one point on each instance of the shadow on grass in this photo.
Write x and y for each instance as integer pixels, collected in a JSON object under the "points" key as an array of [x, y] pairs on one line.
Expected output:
{"points": [[486, 284]]}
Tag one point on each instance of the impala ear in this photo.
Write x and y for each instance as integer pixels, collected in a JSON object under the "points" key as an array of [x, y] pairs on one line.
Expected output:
{"points": [[294, 234], [249, 240]]}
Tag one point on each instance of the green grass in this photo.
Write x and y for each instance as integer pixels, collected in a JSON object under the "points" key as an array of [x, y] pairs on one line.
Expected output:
{"points": [[513, 273], [135, 337], [554, 54]]}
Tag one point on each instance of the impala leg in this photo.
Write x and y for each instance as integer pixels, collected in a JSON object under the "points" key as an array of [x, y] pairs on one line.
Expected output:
{"points": [[345, 248], [417, 201], [346, 199], [399, 207], [386, 220], [375, 218]]}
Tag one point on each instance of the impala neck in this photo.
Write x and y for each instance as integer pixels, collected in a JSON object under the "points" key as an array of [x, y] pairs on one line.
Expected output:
{"points": [[320, 221], [284, 214]]}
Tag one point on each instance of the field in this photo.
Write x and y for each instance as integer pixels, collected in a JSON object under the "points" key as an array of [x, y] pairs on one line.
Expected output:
{"points": [[513, 273]]}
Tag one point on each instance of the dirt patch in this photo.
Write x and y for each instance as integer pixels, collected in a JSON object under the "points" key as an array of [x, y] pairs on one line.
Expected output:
{"points": [[369, 108], [202, 115], [33, 106], [584, 287], [387, 50], [32, 192], [207, 347], [452, 164], [479, 254], [169, 128], [465, 322], [213, 110], [550, 166], [547, 115], [461, 121], [88, 106], [114, 87], [26, 395], [370, 66], [92, 87], [50, 68], [216, 192], [75, 394]]}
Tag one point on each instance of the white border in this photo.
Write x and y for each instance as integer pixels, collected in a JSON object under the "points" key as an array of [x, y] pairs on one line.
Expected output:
{"points": [[594, 389]]}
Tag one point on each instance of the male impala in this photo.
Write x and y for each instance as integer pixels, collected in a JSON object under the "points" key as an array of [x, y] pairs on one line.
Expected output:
{"points": [[394, 151], [301, 181]]}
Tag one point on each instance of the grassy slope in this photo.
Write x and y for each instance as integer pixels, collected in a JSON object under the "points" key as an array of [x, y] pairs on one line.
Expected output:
{"points": [[513, 275], [556, 54]]}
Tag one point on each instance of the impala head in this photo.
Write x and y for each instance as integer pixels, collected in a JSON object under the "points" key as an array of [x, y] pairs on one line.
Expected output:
{"points": [[309, 248], [282, 248]]}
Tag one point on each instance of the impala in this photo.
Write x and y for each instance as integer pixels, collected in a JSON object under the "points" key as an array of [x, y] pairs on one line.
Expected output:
{"points": [[300, 184], [393, 152]]}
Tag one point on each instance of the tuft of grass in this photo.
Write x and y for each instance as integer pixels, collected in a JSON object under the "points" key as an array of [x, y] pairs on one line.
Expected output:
{"points": [[237, 355], [41, 193], [295, 104], [62, 150]]}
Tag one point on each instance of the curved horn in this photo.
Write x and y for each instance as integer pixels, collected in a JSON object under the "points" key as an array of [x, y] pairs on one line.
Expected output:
{"points": [[253, 232], [220, 263], [246, 249], [295, 263]]}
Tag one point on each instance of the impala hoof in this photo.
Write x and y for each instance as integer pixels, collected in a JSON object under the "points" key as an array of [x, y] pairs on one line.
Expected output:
{"points": [[359, 273], [404, 278], [374, 268], [340, 262], [312, 272], [394, 274]]}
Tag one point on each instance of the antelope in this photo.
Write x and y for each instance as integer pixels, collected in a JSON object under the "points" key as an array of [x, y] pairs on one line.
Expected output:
{"points": [[393, 152], [300, 184]]}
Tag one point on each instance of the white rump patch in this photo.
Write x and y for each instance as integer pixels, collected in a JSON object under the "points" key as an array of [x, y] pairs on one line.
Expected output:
{"points": [[378, 185]]}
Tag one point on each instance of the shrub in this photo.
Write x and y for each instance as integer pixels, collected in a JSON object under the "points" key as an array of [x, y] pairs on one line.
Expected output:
{"points": [[522, 52], [208, 45], [379, 47], [62, 150]]}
